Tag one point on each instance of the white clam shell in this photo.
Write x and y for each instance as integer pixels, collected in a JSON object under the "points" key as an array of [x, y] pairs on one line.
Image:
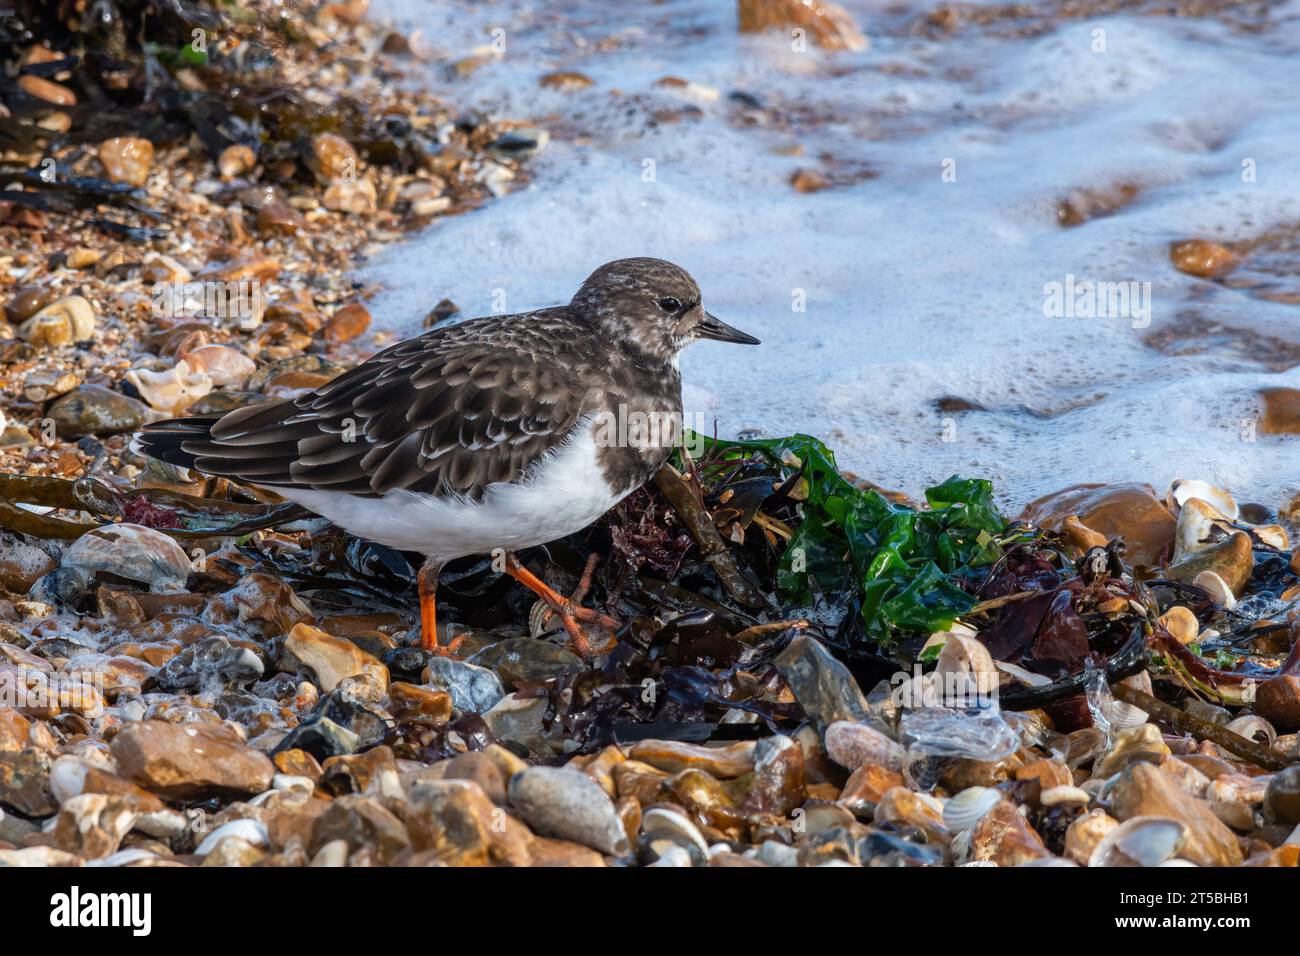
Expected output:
{"points": [[1252, 726], [967, 808], [661, 823], [1185, 489], [250, 831], [1217, 588], [1140, 841]]}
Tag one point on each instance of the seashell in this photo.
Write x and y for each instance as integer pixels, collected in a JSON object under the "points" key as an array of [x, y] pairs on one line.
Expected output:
{"points": [[1065, 796], [226, 367], [1273, 535], [1181, 623], [66, 320], [1124, 716], [1022, 675], [1140, 841], [128, 857], [967, 808], [900, 805], [1216, 588], [1256, 728], [660, 823], [250, 831], [173, 390], [820, 815], [1049, 861], [133, 552], [1199, 526], [1183, 490], [961, 849], [965, 658]]}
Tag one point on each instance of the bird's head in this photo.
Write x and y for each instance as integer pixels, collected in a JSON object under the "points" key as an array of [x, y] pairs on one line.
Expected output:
{"points": [[652, 305]]}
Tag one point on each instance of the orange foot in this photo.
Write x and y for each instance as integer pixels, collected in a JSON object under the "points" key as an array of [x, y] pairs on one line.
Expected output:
{"points": [[568, 609], [427, 580]]}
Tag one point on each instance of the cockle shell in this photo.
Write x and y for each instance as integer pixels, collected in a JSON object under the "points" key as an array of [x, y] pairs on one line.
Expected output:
{"points": [[1124, 716], [967, 808]]}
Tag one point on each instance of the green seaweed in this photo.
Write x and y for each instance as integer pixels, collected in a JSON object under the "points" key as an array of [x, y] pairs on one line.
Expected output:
{"points": [[907, 563]]}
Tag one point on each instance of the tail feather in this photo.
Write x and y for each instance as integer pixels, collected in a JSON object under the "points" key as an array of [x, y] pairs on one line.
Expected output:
{"points": [[165, 440]]}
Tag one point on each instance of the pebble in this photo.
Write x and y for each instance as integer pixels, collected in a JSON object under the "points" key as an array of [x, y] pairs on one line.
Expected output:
{"points": [[1278, 700], [235, 160], [25, 782], [1144, 791], [347, 323], [329, 660], [851, 745], [126, 159], [566, 80], [1129, 510], [1233, 560], [1004, 837], [133, 552], [95, 410], [1282, 798], [820, 683], [358, 197], [526, 659], [21, 564], [473, 689], [828, 25], [189, 761], [569, 805], [1281, 411], [732, 760], [363, 823], [1201, 258]]}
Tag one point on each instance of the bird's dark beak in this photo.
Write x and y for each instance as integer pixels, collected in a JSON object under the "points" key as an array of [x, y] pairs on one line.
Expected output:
{"points": [[714, 328]]}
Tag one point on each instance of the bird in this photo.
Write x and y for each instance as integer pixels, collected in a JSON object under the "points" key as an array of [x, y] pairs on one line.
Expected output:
{"points": [[488, 436]]}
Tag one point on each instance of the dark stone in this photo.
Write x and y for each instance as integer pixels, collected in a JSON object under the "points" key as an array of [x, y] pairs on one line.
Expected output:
{"points": [[822, 685]]}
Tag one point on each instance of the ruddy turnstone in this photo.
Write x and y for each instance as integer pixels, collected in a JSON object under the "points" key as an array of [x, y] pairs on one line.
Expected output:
{"points": [[501, 432]]}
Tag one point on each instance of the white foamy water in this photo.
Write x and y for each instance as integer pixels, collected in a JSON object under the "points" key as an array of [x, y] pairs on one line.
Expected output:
{"points": [[916, 288]]}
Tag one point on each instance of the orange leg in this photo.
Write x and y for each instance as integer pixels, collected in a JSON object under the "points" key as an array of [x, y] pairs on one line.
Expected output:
{"points": [[567, 609], [427, 580]]}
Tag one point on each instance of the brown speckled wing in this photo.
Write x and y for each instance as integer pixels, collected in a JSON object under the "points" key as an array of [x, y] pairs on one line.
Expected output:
{"points": [[450, 411]]}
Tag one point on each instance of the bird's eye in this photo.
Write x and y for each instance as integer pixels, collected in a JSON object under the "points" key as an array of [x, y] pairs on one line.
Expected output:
{"points": [[669, 304]]}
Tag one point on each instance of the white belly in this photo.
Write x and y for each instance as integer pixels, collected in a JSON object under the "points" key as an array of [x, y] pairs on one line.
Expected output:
{"points": [[563, 494]]}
